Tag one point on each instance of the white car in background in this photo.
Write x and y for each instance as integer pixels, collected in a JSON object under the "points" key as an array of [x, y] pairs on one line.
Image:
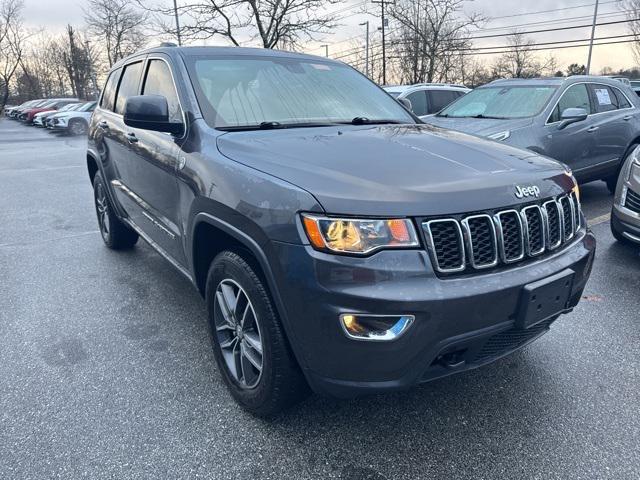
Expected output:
{"points": [[427, 98], [75, 122], [39, 120]]}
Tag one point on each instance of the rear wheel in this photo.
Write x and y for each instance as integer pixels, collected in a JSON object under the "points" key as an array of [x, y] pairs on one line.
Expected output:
{"points": [[249, 345], [115, 234], [78, 127]]}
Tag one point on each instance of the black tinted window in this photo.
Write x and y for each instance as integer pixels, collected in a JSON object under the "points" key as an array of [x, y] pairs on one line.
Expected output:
{"points": [[438, 99], [128, 85], [604, 98], [418, 102], [159, 82], [576, 96], [109, 92]]}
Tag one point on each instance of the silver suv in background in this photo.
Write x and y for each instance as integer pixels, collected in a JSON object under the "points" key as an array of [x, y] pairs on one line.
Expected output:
{"points": [[590, 123], [625, 214], [427, 98]]}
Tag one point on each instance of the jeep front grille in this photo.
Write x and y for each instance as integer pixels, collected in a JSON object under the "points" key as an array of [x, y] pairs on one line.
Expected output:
{"points": [[486, 240]]}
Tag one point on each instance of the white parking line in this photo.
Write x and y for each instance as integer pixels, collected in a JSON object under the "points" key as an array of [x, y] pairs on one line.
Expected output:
{"points": [[598, 220]]}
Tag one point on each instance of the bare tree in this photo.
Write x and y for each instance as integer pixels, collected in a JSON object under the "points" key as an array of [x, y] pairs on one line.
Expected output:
{"points": [[117, 26], [274, 23], [12, 42], [521, 61], [428, 37]]}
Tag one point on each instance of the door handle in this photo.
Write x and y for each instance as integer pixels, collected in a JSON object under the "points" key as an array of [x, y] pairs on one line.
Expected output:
{"points": [[627, 117], [592, 129], [104, 125], [132, 137]]}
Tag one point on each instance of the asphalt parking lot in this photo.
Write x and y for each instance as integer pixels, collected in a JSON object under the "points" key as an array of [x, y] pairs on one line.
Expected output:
{"points": [[106, 369]]}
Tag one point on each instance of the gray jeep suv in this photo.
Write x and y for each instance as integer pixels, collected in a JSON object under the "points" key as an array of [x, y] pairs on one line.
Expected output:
{"points": [[339, 244], [590, 123]]}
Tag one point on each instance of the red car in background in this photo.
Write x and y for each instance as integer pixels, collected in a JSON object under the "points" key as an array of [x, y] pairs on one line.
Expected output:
{"points": [[53, 104]]}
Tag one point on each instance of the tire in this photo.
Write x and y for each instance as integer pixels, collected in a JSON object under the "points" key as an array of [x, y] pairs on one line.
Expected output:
{"points": [[115, 234], [238, 337], [612, 181], [616, 234], [78, 127]]}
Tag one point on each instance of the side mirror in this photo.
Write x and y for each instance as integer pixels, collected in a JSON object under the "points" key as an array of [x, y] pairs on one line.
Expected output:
{"points": [[572, 115], [150, 112], [406, 103]]}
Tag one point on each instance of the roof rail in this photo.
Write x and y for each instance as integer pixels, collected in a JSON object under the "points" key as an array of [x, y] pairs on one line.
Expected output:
{"points": [[438, 84], [168, 44]]}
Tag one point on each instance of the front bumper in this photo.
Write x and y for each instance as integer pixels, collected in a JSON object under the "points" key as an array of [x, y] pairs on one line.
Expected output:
{"points": [[460, 323]]}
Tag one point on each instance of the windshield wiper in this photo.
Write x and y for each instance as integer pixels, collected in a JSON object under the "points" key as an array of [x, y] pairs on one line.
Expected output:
{"points": [[369, 121], [273, 126], [480, 115]]}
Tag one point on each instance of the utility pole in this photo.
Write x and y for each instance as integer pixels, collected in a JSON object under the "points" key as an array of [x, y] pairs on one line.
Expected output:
{"points": [[175, 12], [384, 49], [593, 32], [366, 66], [326, 50]]}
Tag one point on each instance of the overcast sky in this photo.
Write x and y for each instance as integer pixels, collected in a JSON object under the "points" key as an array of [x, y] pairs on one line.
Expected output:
{"points": [[53, 15]]}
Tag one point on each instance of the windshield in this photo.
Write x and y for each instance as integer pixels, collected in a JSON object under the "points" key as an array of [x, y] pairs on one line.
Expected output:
{"points": [[87, 106], [276, 92], [501, 102]]}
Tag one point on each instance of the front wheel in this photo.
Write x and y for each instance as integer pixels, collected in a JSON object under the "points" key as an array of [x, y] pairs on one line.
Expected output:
{"points": [[115, 234], [249, 344]]}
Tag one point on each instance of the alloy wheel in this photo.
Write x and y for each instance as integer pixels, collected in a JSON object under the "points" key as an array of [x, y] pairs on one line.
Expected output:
{"points": [[102, 208], [238, 333]]}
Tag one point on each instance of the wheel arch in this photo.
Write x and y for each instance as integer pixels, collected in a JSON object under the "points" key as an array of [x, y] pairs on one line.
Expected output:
{"points": [[92, 167], [210, 236]]}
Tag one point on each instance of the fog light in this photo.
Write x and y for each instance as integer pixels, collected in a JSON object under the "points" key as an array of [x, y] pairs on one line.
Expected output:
{"points": [[375, 327]]}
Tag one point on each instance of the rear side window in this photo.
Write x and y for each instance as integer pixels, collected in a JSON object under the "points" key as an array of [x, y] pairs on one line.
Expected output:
{"points": [[418, 102], [622, 100], [438, 99], [109, 92], [576, 96], [128, 85], [158, 81]]}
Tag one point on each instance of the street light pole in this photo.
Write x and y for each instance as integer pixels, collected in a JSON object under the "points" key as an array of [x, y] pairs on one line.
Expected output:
{"points": [[326, 50], [366, 66], [593, 32], [175, 11]]}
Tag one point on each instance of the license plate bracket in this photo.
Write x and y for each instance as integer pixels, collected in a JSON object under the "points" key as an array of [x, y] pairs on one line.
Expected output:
{"points": [[545, 298]]}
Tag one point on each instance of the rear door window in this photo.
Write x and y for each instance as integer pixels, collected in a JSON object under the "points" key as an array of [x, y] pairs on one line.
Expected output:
{"points": [[129, 85], [604, 98], [438, 99], [418, 102], [576, 96], [109, 92]]}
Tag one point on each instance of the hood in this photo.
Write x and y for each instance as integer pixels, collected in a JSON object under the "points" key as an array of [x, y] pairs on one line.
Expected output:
{"points": [[408, 170], [478, 126], [72, 114]]}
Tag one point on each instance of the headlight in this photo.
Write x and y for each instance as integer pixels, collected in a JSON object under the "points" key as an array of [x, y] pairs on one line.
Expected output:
{"points": [[358, 236], [500, 136]]}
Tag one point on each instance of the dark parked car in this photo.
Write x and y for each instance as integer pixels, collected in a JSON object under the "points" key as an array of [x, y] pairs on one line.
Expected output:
{"points": [[625, 214], [589, 123], [338, 244]]}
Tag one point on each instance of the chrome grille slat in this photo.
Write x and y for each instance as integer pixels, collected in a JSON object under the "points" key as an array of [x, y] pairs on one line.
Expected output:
{"points": [[554, 224], [447, 244], [482, 253], [534, 230], [510, 235], [482, 241]]}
